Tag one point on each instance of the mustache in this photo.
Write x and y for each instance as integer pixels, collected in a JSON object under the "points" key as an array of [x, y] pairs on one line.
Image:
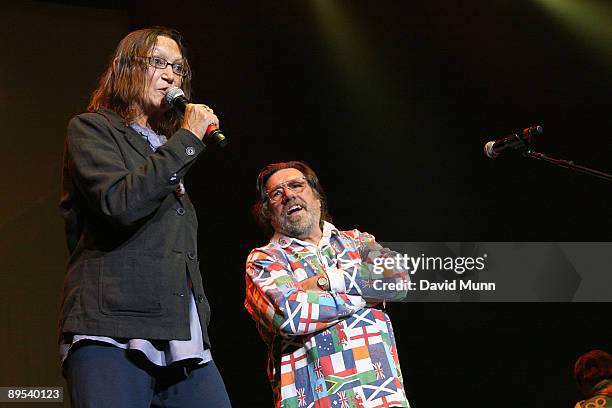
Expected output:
{"points": [[293, 202]]}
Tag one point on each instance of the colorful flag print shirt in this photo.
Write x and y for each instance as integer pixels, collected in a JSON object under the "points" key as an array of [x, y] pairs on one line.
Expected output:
{"points": [[326, 349], [601, 396]]}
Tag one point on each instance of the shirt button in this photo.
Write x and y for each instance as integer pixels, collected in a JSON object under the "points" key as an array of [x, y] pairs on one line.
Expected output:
{"points": [[190, 151], [180, 211], [191, 255], [200, 298]]}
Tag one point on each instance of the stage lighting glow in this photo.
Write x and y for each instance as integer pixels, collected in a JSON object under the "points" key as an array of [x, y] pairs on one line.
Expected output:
{"points": [[359, 67], [348, 47], [592, 19]]}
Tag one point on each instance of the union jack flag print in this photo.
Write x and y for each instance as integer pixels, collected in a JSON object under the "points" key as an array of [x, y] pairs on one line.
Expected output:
{"points": [[326, 349]]}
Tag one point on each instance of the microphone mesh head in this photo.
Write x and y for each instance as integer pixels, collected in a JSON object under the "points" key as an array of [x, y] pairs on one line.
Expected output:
{"points": [[173, 93], [488, 150]]}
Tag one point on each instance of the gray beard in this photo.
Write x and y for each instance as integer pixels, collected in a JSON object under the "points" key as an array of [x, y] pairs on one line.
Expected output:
{"points": [[300, 227]]}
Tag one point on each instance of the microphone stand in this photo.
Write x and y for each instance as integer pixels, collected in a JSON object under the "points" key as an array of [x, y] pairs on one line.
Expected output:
{"points": [[566, 164]]}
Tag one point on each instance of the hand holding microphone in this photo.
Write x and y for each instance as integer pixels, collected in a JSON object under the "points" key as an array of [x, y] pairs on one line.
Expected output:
{"points": [[198, 119]]}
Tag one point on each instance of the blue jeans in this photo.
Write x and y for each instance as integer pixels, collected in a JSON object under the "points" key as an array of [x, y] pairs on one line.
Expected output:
{"points": [[101, 376]]}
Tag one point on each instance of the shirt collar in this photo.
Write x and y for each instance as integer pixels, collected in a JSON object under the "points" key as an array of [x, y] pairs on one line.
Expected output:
{"points": [[149, 135], [284, 241], [603, 387]]}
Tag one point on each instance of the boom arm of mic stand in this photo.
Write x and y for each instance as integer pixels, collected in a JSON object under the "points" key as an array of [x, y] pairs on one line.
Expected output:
{"points": [[568, 164]]}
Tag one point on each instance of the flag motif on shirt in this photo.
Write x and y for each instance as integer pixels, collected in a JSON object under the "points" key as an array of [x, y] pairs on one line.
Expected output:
{"points": [[317, 368], [328, 349], [342, 398], [380, 374], [301, 397]]}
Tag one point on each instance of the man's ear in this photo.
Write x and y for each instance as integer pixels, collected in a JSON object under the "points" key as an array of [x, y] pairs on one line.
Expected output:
{"points": [[265, 210]]}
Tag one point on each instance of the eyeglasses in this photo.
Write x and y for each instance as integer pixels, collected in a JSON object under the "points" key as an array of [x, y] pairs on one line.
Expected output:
{"points": [[295, 185], [161, 63]]}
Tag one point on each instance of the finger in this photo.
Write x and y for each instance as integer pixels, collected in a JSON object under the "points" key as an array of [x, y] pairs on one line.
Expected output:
{"points": [[214, 120]]}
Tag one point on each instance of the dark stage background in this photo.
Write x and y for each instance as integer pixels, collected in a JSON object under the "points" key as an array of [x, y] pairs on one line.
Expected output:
{"points": [[391, 103]]}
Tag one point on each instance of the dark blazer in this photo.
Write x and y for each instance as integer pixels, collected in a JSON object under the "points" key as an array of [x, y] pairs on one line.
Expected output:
{"points": [[132, 240]]}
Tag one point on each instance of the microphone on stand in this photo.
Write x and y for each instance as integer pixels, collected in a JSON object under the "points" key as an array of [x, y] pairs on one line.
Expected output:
{"points": [[514, 142], [176, 98]]}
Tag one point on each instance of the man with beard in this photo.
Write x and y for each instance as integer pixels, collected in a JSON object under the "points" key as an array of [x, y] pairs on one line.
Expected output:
{"points": [[311, 294]]}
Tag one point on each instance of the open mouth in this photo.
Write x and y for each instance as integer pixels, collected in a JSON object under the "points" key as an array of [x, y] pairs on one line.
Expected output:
{"points": [[294, 209]]}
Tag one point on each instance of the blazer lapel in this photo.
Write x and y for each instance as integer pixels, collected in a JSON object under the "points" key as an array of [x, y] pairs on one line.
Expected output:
{"points": [[138, 142], [133, 138]]}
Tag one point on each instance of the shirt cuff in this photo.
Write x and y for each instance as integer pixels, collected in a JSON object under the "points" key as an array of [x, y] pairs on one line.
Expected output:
{"points": [[336, 280]]}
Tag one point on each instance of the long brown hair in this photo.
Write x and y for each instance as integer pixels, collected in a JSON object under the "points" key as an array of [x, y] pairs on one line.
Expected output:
{"points": [[122, 86]]}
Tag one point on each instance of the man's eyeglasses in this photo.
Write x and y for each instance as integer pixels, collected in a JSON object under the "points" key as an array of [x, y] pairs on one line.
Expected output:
{"points": [[296, 185], [161, 63]]}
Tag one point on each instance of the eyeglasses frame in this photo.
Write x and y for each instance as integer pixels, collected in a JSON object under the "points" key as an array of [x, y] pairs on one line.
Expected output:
{"points": [[151, 58], [284, 185]]}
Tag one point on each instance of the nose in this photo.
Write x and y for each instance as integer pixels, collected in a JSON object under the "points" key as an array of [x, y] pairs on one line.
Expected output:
{"points": [[168, 74], [288, 194]]}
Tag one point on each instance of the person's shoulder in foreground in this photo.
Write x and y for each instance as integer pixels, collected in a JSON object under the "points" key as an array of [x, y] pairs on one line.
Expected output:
{"points": [[593, 374]]}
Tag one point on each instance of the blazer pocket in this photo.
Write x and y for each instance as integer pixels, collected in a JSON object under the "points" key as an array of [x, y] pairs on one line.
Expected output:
{"points": [[131, 285]]}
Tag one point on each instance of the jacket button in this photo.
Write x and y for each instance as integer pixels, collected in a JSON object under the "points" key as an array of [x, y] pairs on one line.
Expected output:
{"points": [[180, 211], [200, 298], [191, 255], [190, 151]]}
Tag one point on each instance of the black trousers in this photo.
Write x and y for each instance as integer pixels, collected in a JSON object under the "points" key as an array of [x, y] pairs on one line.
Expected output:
{"points": [[101, 376]]}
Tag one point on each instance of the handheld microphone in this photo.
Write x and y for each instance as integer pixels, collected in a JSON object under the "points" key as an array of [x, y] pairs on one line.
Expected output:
{"points": [[176, 98], [514, 142]]}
